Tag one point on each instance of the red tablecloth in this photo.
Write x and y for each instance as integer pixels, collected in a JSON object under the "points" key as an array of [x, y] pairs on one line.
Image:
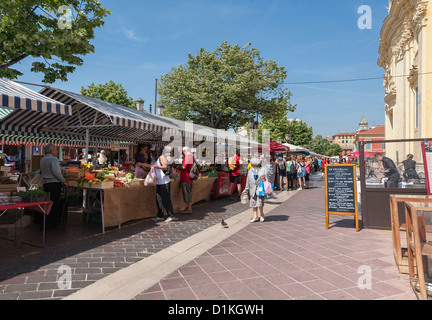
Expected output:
{"points": [[43, 207]]}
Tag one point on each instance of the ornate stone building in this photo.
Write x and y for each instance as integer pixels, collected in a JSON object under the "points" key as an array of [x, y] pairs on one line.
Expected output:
{"points": [[406, 56]]}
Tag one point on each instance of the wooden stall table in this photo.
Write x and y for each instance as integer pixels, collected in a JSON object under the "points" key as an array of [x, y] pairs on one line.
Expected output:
{"points": [[120, 205], [419, 249], [399, 253], [42, 207]]}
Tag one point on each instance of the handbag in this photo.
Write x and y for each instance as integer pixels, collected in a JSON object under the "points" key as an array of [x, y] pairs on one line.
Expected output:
{"points": [[261, 190], [268, 187], [195, 171], [151, 178]]}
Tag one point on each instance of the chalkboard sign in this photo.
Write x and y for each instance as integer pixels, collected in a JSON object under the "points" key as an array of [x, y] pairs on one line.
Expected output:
{"points": [[341, 191]]}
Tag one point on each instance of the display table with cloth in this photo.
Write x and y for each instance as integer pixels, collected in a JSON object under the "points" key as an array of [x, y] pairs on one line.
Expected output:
{"points": [[43, 207], [120, 205]]}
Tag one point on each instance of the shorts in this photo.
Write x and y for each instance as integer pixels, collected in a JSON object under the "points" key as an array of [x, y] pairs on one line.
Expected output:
{"points": [[187, 191], [282, 173], [235, 179]]}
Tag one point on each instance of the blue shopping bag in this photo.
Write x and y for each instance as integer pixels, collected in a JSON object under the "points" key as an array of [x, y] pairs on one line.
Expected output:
{"points": [[261, 190]]}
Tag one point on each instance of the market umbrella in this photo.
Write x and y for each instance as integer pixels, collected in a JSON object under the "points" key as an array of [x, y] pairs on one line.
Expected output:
{"points": [[296, 149], [277, 147]]}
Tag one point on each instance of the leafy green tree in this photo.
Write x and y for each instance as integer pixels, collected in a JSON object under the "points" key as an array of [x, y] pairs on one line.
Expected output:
{"points": [[299, 132], [109, 92], [225, 89], [334, 150], [56, 39], [319, 145]]}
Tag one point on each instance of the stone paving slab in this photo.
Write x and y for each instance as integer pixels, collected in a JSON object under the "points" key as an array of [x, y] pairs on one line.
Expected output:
{"points": [[290, 256]]}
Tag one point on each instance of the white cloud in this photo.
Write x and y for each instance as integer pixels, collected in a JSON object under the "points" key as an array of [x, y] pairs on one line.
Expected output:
{"points": [[131, 35]]}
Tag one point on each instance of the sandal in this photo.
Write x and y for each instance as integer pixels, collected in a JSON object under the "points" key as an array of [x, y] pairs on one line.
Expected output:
{"points": [[187, 212], [254, 220]]}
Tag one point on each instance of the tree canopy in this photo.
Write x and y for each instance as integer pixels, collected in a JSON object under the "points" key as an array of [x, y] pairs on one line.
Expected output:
{"points": [[55, 33], [300, 133], [109, 92], [226, 88]]}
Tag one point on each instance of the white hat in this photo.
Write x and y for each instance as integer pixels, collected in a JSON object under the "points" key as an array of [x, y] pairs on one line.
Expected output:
{"points": [[255, 161], [186, 149]]}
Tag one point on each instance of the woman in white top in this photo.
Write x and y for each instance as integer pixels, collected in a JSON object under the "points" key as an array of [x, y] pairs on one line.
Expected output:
{"points": [[163, 187], [102, 158]]}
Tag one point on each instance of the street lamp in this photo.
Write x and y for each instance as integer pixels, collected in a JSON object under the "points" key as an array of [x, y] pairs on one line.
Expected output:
{"points": [[140, 104]]}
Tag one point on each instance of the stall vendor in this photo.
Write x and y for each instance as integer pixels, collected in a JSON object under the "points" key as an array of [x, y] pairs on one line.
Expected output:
{"points": [[142, 156]]}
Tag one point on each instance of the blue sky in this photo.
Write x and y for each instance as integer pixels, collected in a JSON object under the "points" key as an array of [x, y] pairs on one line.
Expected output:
{"points": [[314, 40]]}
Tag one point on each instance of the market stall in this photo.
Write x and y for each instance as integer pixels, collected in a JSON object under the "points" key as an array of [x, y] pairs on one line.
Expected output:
{"points": [[134, 203], [82, 121]]}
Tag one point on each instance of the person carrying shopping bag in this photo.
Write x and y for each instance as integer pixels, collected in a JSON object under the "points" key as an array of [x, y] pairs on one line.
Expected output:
{"points": [[163, 186], [255, 177]]}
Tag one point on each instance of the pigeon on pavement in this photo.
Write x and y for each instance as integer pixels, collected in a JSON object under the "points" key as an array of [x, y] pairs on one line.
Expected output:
{"points": [[224, 224]]}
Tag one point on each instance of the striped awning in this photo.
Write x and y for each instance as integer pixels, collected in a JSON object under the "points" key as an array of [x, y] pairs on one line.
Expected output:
{"points": [[4, 112], [106, 122], [16, 96], [20, 138]]}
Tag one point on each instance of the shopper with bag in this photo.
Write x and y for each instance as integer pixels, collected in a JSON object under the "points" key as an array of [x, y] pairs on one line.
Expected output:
{"points": [[301, 172], [185, 179], [256, 190], [163, 186]]}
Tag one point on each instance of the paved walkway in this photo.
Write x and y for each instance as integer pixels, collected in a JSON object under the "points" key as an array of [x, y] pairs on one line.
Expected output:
{"points": [[289, 256]]}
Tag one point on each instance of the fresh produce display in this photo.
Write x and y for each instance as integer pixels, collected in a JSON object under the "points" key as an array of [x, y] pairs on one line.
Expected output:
{"points": [[111, 169], [36, 193], [86, 166], [119, 184], [6, 180]]}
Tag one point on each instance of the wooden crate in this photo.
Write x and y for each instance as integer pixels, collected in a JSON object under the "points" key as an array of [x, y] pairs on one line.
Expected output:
{"points": [[73, 176], [100, 186], [8, 187], [137, 183]]}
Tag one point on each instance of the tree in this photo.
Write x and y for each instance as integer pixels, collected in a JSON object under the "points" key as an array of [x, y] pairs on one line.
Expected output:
{"points": [[334, 150], [319, 145], [300, 133], [225, 89], [56, 33], [109, 92]]}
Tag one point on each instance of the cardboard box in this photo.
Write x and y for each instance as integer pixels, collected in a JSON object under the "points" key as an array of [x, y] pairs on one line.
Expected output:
{"points": [[100, 186]]}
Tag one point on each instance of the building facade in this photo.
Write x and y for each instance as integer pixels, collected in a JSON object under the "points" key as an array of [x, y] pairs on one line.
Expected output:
{"points": [[405, 55], [346, 140], [370, 135]]}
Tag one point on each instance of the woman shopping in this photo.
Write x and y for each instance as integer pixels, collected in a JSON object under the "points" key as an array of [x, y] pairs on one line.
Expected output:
{"points": [[255, 177], [163, 187]]}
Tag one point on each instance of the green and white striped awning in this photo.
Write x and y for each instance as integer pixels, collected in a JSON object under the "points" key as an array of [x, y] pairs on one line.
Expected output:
{"points": [[34, 139]]}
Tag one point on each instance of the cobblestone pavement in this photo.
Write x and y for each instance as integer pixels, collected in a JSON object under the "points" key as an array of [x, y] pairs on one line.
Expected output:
{"points": [[28, 272], [289, 256]]}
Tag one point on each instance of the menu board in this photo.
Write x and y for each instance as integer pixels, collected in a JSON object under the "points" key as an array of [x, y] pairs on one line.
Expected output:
{"points": [[427, 159], [341, 190]]}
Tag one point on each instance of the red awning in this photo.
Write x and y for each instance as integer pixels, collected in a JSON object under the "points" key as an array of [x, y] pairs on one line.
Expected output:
{"points": [[277, 147], [366, 154]]}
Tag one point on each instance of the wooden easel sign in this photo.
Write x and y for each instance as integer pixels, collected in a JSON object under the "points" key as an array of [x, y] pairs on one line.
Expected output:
{"points": [[341, 191]]}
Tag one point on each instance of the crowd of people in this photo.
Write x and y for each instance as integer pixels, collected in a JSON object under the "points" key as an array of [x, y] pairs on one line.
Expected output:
{"points": [[292, 172]]}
